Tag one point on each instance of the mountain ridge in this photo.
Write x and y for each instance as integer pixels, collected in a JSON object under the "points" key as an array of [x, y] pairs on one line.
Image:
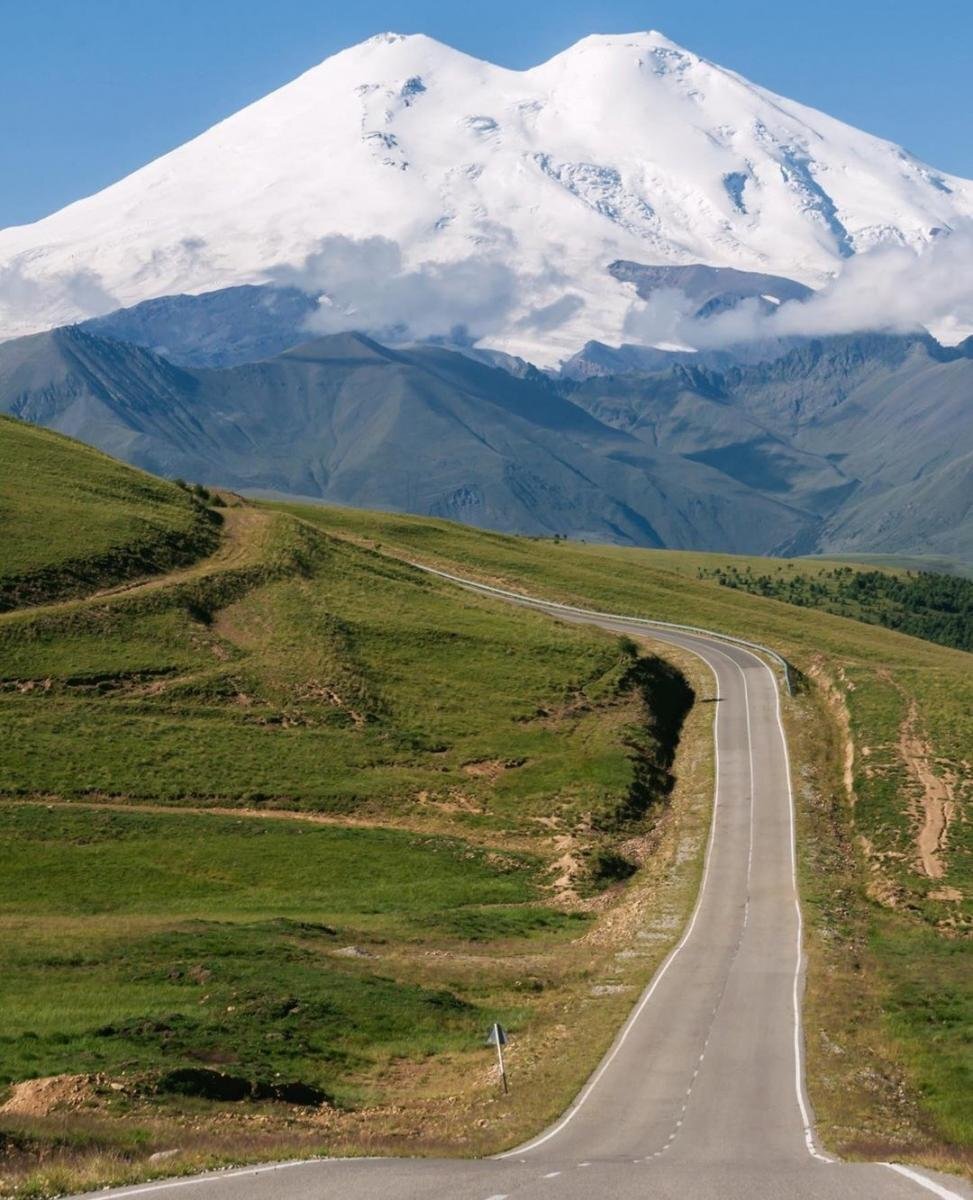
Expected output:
{"points": [[839, 444], [425, 429]]}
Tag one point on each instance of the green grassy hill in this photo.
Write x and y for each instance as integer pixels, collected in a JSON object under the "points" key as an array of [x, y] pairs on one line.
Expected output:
{"points": [[297, 814], [881, 733], [74, 519], [298, 821]]}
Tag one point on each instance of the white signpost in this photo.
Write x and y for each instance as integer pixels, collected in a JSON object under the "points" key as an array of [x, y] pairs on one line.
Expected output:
{"points": [[498, 1037]]}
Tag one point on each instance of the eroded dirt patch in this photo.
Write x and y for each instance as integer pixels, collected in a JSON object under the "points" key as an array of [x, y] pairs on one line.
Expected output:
{"points": [[936, 804], [52, 1093], [835, 697]]}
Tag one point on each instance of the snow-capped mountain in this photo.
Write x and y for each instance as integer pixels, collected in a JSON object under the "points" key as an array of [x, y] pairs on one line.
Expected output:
{"points": [[501, 197]]}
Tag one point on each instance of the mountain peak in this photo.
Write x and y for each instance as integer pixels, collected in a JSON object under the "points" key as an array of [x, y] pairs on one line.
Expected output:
{"points": [[483, 197], [662, 53], [385, 39], [398, 51], [644, 39]]}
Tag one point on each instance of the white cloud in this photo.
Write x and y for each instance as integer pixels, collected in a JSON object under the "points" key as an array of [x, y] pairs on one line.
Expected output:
{"points": [[364, 284], [81, 291], [893, 289]]}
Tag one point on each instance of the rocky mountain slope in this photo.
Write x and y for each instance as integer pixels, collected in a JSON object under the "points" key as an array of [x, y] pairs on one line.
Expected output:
{"points": [[423, 430], [839, 444], [872, 433]]}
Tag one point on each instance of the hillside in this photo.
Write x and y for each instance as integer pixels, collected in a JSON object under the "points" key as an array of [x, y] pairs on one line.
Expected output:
{"points": [[294, 824], [936, 607], [420, 429], [74, 519], [866, 435], [880, 734]]}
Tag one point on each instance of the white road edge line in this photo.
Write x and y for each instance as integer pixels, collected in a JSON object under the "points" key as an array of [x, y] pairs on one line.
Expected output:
{"points": [[799, 964], [930, 1185], [219, 1176], [594, 612], [659, 975], [753, 781]]}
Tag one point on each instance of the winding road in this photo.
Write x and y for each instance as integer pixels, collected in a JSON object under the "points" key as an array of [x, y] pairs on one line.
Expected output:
{"points": [[701, 1096]]}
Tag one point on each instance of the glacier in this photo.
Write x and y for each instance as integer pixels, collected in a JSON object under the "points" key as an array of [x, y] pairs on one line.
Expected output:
{"points": [[623, 148]]}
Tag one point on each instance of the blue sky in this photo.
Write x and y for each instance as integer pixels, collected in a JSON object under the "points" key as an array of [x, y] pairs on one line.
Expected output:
{"points": [[91, 89]]}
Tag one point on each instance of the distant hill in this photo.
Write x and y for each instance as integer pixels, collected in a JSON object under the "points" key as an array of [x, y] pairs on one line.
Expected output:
{"points": [[74, 519], [712, 289], [423, 430], [833, 445], [217, 329], [871, 433]]}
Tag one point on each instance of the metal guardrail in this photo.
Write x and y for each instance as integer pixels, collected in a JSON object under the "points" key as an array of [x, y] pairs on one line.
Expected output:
{"points": [[539, 602]]}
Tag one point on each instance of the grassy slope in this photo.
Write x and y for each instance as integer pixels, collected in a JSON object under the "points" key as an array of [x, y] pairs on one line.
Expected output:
{"points": [[190, 958], [299, 812], [905, 1086], [350, 686], [102, 521], [325, 695], [936, 607]]}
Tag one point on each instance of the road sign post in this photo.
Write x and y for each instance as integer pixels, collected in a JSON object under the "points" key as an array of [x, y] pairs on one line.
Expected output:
{"points": [[498, 1037]]}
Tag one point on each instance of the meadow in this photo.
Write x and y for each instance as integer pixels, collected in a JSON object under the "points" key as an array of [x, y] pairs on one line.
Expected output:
{"points": [[882, 727], [289, 826], [137, 960], [133, 523], [290, 823], [925, 604]]}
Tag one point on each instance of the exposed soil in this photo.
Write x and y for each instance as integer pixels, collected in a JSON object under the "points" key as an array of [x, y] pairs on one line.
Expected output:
{"points": [[839, 709], [482, 838], [490, 768], [455, 802], [239, 526], [567, 868], [237, 533], [936, 806], [53, 1093]]}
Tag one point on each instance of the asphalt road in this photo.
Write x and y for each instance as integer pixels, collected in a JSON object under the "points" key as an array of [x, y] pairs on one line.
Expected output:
{"points": [[701, 1097]]}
